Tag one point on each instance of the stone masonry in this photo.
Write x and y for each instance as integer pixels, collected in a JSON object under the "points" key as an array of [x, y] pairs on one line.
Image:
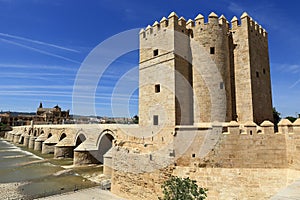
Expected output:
{"points": [[193, 72], [205, 112]]}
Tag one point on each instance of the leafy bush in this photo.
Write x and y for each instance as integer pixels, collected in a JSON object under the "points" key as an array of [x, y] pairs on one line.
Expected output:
{"points": [[176, 188]]}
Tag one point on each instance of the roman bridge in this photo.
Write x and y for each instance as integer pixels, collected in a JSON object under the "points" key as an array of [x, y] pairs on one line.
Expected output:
{"points": [[85, 143]]}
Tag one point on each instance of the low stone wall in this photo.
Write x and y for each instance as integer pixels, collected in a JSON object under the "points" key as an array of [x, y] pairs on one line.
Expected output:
{"points": [[222, 183], [254, 183], [136, 186], [293, 150]]}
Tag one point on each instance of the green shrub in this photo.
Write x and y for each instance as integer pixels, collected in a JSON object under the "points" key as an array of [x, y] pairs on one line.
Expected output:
{"points": [[176, 188]]}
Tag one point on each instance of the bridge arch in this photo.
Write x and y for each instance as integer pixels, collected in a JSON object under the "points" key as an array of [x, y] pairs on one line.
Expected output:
{"points": [[80, 138], [62, 136], [105, 142], [21, 141], [35, 133], [30, 131]]}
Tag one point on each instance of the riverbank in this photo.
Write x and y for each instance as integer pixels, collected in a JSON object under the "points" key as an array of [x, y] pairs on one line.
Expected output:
{"points": [[26, 174]]}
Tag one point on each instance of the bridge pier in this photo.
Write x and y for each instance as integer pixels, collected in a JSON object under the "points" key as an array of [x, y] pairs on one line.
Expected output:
{"points": [[16, 137], [85, 157], [26, 140], [107, 163], [5, 135], [31, 142], [63, 151], [38, 145], [48, 148], [10, 136]]}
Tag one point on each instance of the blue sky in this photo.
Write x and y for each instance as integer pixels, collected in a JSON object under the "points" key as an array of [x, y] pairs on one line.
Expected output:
{"points": [[44, 42]]}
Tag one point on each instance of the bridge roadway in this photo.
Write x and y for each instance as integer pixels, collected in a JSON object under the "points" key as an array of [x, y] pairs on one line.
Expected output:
{"points": [[85, 143]]}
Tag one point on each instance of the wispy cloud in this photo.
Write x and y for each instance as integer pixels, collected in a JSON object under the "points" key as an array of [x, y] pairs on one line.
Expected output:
{"points": [[39, 51], [38, 42], [235, 8], [294, 69], [19, 87], [35, 66], [287, 68], [120, 97], [291, 70], [294, 84]]}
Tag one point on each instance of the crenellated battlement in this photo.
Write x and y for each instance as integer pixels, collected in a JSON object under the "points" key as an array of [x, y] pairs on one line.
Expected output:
{"points": [[247, 22], [266, 127], [180, 24]]}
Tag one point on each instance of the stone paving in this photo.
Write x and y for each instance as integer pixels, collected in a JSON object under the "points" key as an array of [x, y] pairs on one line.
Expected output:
{"points": [[289, 193], [91, 193]]}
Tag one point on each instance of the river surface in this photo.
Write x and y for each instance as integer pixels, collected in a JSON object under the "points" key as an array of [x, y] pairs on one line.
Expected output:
{"points": [[31, 176]]}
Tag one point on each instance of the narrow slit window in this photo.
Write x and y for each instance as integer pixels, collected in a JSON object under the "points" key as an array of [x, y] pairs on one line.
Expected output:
{"points": [[193, 155], [264, 71], [155, 120], [221, 85], [257, 74], [157, 88], [212, 50], [155, 52]]}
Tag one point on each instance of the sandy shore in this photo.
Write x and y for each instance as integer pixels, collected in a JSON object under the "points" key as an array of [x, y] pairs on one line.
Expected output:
{"points": [[10, 191]]}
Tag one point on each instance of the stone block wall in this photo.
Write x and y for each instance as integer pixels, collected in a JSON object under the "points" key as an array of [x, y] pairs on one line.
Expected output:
{"points": [[233, 160]]}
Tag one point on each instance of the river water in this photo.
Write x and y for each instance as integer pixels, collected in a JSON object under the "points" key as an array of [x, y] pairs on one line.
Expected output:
{"points": [[24, 175]]}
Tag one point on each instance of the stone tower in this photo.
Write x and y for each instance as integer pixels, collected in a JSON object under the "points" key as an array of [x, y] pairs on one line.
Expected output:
{"points": [[165, 76], [195, 71], [252, 70]]}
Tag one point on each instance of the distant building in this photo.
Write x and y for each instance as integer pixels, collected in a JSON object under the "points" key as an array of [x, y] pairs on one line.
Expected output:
{"points": [[14, 119], [43, 116], [52, 115]]}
